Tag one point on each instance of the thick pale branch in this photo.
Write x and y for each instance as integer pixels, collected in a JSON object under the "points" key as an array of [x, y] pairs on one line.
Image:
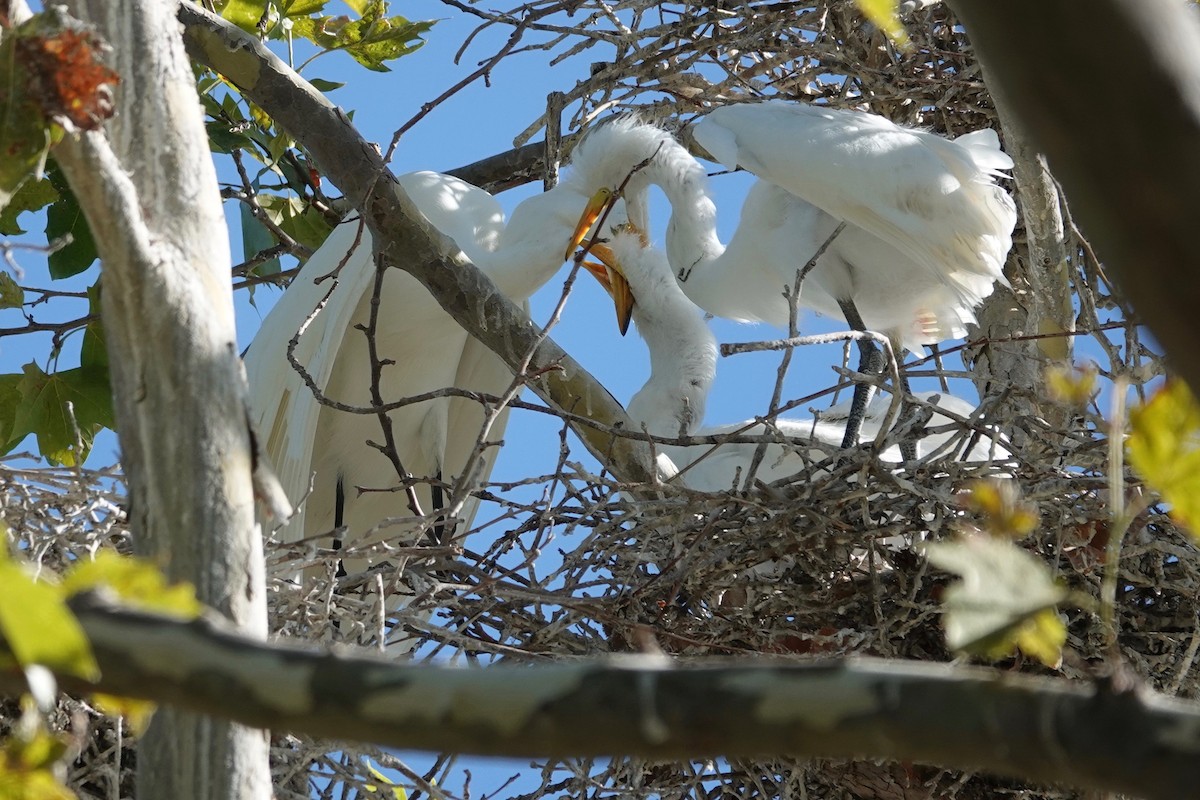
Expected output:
{"points": [[406, 239], [149, 190], [1035, 728], [1122, 142]]}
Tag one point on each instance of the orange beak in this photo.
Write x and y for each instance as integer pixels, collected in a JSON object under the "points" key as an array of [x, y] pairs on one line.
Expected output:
{"points": [[591, 212], [611, 277]]}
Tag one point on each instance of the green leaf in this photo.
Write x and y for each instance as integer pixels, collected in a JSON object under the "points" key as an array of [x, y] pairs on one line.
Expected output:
{"points": [[371, 41], [25, 134], [32, 196], [322, 85], [11, 293], [27, 766], [138, 582], [884, 15], [43, 411], [93, 353], [302, 8], [297, 219], [244, 13], [256, 238], [1164, 447], [1005, 600], [10, 401], [63, 217], [38, 626]]}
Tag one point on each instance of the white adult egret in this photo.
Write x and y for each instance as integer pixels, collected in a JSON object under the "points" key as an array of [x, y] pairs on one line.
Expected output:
{"points": [[311, 444], [927, 228], [683, 363]]}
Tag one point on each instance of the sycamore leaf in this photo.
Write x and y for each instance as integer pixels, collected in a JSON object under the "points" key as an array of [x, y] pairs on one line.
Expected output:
{"points": [[32, 196], [371, 40], [297, 219], [1005, 600], [136, 582], [999, 502], [136, 713], [884, 15], [1071, 385], [24, 133], [43, 411], [27, 763], [244, 13], [301, 8], [38, 626], [65, 218], [93, 353], [11, 293], [10, 401], [1164, 447]]}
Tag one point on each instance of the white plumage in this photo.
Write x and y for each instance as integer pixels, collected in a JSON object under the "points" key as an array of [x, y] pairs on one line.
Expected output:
{"points": [[683, 362], [927, 228], [311, 444]]}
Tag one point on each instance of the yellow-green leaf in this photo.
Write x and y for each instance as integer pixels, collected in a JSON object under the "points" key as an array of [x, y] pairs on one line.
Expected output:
{"points": [[26, 767], [38, 626], [1002, 602], [138, 583], [1004, 513], [1164, 447], [1071, 384], [136, 713], [397, 791], [884, 14]]}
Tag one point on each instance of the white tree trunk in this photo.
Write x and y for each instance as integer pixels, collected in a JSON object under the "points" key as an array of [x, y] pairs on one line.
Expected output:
{"points": [[149, 190]]}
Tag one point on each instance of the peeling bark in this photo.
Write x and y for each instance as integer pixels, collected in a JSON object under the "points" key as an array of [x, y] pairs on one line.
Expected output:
{"points": [[149, 191]]}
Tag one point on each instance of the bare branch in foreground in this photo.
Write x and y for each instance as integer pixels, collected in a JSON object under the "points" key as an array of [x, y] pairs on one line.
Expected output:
{"points": [[1040, 729]]}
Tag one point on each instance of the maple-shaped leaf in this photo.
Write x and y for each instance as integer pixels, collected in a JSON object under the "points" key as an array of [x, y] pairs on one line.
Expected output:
{"points": [[1005, 600], [371, 40]]}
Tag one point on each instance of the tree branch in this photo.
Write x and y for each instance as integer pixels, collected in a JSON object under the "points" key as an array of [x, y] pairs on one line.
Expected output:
{"points": [[1122, 142], [1038, 729], [406, 239]]}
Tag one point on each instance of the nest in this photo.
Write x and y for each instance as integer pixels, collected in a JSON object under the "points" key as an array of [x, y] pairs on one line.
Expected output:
{"points": [[572, 564]]}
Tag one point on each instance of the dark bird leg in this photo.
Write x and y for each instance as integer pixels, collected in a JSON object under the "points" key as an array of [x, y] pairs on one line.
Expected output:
{"points": [[871, 361], [437, 534], [339, 519]]}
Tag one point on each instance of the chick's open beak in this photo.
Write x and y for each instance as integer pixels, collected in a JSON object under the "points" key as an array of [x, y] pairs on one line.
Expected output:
{"points": [[611, 277], [591, 212]]}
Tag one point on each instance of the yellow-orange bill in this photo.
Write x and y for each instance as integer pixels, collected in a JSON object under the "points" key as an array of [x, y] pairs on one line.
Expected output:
{"points": [[612, 278], [591, 212]]}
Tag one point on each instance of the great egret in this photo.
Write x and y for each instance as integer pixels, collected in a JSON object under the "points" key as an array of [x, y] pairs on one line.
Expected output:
{"points": [[683, 362], [927, 227], [312, 444]]}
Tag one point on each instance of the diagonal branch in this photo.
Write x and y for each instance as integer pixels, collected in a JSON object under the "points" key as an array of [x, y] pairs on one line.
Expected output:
{"points": [[404, 237]]}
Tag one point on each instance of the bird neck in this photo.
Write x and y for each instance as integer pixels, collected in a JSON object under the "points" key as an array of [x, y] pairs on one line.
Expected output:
{"points": [[692, 242], [683, 360]]}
